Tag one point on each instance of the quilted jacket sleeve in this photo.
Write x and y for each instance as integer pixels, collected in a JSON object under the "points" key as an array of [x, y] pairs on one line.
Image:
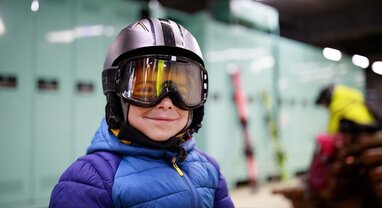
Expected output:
{"points": [[87, 182], [222, 197]]}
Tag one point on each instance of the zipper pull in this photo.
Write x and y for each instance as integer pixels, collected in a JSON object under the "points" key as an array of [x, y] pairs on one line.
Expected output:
{"points": [[173, 161]]}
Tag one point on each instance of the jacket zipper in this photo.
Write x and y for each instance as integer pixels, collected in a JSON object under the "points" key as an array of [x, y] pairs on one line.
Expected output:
{"points": [[187, 181], [180, 172]]}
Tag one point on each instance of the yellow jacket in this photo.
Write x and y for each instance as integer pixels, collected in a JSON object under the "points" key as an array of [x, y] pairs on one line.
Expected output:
{"points": [[347, 103]]}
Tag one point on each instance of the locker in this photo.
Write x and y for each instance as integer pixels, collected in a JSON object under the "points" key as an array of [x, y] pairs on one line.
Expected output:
{"points": [[103, 21], [52, 90], [15, 102], [88, 56], [224, 134]]}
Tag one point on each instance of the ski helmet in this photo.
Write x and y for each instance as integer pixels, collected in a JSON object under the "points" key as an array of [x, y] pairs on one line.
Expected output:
{"points": [[167, 46], [325, 95]]}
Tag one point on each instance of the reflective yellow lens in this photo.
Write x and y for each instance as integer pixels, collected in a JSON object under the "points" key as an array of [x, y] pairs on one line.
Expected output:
{"points": [[146, 78]]}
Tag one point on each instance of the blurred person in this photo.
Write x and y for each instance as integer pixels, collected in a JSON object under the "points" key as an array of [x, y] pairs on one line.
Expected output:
{"points": [[349, 116], [143, 154], [345, 104]]}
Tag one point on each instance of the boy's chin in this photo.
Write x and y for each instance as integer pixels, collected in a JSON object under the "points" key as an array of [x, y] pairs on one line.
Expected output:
{"points": [[158, 136]]}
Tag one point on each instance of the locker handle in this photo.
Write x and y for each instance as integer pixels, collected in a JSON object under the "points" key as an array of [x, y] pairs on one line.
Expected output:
{"points": [[8, 81], [85, 87], [47, 85]]}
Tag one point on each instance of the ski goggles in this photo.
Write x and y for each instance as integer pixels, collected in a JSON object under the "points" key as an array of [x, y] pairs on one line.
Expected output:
{"points": [[145, 81]]}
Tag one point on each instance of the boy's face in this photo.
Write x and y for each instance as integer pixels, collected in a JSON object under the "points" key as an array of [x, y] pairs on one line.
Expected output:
{"points": [[159, 122]]}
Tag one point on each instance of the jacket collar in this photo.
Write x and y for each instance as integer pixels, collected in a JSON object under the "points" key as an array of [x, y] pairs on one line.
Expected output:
{"points": [[104, 140]]}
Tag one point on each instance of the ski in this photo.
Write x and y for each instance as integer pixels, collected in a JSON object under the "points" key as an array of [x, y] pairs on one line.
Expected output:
{"points": [[242, 111], [273, 130]]}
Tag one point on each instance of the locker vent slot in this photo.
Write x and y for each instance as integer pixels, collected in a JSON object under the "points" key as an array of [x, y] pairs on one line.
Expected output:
{"points": [[8, 187], [8, 81], [47, 85], [85, 87]]}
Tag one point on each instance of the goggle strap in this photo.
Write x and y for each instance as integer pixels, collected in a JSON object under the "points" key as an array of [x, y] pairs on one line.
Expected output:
{"points": [[109, 79]]}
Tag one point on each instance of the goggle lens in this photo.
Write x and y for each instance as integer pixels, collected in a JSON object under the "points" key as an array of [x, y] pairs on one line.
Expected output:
{"points": [[145, 81]]}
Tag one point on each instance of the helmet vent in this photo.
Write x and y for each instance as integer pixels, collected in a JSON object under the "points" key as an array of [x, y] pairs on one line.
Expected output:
{"points": [[140, 26]]}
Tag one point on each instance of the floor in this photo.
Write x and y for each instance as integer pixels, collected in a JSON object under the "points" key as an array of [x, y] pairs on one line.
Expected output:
{"points": [[245, 197]]}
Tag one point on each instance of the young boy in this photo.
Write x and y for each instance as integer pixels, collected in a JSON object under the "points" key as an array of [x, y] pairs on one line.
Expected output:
{"points": [[143, 154]]}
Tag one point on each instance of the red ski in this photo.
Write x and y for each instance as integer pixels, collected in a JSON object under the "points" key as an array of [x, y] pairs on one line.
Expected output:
{"points": [[242, 110]]}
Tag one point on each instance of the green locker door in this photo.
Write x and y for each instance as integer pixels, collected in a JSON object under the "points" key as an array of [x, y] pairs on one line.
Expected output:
{"points": [[15, 102], [102, 21], [249, 51], [88, 59], [53, 142]]}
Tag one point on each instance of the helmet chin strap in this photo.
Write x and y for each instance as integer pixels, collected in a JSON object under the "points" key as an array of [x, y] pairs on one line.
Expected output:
{"points": [[127, 132]]}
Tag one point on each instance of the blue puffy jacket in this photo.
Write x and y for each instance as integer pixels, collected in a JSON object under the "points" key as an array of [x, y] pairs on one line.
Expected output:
{"points": [[113, 174]]}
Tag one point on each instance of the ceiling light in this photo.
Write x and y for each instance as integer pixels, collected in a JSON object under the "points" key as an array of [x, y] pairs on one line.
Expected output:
{"points": [[360, 61], [377, 67], [35, 6], [332, 54]]}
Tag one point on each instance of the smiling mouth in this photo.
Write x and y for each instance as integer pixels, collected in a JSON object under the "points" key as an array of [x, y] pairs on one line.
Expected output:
{"points": [[161, 119]]}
